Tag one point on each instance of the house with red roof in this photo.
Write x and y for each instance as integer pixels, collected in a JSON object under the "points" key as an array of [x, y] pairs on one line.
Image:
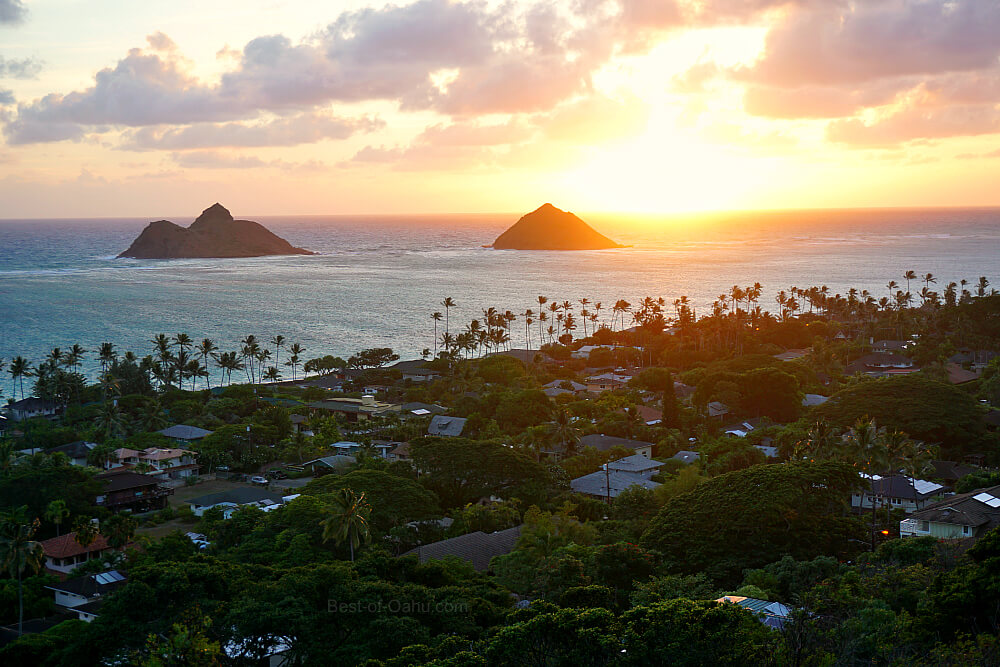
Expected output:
{"points": [[64, 553]]}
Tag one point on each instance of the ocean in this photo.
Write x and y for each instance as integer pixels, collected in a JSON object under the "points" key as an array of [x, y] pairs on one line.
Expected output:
{"points": [[377, 280]]}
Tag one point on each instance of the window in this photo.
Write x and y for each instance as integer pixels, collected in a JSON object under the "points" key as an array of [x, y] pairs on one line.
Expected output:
{"points": [[925, 526], [965, 530]]}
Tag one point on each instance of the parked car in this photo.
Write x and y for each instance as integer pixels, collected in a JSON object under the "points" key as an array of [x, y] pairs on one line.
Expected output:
{"points": [[258, 479], [277, 474]]}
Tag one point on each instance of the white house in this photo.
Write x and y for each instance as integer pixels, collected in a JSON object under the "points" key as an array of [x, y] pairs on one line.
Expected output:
{"points": [[965, 515], [897, 492]]}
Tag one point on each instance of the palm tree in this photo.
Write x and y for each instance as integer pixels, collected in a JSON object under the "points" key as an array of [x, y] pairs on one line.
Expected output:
{"points": [[279, 344], [118, 530], [206, 349], [908, 276], [110, 421], [19, 367], [448, 304], [74, 356], [436, 316], [981, 286], [19, 553], [150, 417], [272, 374], [85, 532], [296, 351], [867, 448], [56, 512], [347, 520], [564, 432], [106, 354]]}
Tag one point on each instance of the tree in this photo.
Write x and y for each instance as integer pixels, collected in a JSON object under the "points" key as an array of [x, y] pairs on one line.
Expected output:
{"points": [[722, 527], [19, 368], [19, 552], [86, 531], [57, 512], [347, 520], [564, 432], [393, 500], [688, 632], [582, 637], [119, 530]]}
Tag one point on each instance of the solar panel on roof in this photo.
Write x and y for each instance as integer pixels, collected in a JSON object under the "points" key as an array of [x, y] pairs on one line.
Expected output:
{"points": [[985, 498], [993, 503], [109, 577]]}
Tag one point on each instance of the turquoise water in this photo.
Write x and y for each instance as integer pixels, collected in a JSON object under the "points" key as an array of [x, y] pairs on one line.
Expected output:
{"points": [[378, 279]]}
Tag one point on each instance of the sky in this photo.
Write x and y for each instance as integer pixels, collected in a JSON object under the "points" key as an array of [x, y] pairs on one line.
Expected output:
{"points": [[160, 108]]}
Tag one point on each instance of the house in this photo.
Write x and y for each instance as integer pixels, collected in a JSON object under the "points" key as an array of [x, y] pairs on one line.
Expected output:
{"points": [[27, 408], [64, 553], [649, 415], [418, 409], [350, 448], [76, 452], [299, 423], [952, 471], [791, 355], [233, 499], [526, 357], [334, 462], [959, 375], [78, 591], [478, 548], [683, 391], [560, 387], [185, 434], [606, 382], [976, 360], [891, 346], [717, 410], [686, 456], [356, 409], [635, 470], [415, 371], [812, 400], [603, 443], [130, 491], [448, 427], [882, 364], [172, 463], [897, 492], [583, 352], [4, 424], [743, 429], [772, 614], [400, 453], [965, 515]]}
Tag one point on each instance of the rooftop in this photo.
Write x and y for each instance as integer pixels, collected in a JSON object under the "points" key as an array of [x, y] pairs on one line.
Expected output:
{"points": [[243, 495], [184, 432], [66, 546], [605, 442], [478, 548], [446, 426]]}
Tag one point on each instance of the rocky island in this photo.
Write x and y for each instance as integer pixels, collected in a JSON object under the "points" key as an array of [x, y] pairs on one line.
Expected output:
{"points": [[213, 234], [549, 228]]}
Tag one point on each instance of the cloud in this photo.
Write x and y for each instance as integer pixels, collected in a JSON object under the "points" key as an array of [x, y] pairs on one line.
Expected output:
{"points": [[225, 160], [25, 68], [6, 97], [917, 122], [12, 11], [455, 58], [302, 128]]}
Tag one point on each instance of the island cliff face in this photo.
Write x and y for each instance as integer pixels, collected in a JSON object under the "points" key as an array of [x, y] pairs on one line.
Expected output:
{"points": [[548, 228], [213, 234]]}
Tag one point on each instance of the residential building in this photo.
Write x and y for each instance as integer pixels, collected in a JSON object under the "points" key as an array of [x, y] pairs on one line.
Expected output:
{"points": [[64, 553], [650, 416], [30, 407], [952, 471], [401, 452], [897, 492], [356, 409], [812, 400], [686, 456], [772, 614], [172, 463], [635, 470], [717, 410], [233, 499], [745, 428], [184, 434], [76, 452], [478, 548], [448, 427], [962, 516], [606, 382], [882, 364], [603, 443], [415, 371], [126, 490], [333, 462], [77, 591]]}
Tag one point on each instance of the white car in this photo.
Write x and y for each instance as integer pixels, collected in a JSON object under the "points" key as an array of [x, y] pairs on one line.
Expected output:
{"points": [[257, 479]]}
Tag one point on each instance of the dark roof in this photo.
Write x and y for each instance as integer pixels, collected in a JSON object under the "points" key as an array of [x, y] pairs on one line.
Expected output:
{"points": [[478, 548], [74, 450], [417, 405], [184, 432], [899, 486], [890, 344], [32, 403], [525, 356], [883, 359], [414, 367], [119, 481], [952, 471], [91, 585], [605, 442], [446, 426], [243, 495], [964, 509]]}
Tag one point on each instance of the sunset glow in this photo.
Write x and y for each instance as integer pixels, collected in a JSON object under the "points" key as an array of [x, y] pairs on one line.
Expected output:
{"points": [[649, 106]]}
